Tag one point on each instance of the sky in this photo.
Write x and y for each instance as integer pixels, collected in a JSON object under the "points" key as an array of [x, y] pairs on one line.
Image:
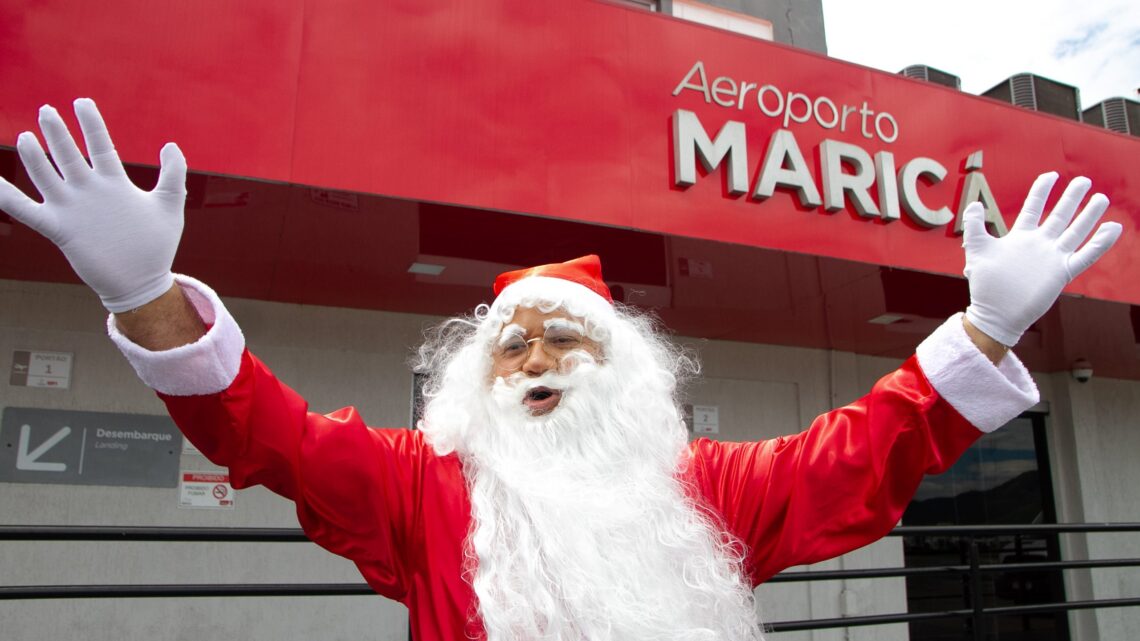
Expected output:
{"points": [[1093, 45]]}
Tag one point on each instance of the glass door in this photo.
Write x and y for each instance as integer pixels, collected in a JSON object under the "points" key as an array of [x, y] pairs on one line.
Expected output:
{"points": [[1003, 479]]}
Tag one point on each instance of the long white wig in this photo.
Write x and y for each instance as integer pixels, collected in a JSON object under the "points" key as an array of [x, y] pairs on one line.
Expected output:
{"points": [[582, 525]]}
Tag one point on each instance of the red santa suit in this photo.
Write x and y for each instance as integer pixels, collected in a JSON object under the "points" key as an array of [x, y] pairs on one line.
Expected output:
{"points": [[384, 499]]}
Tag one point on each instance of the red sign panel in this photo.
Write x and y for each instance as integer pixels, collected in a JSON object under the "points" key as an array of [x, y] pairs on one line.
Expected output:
{"points": [[570, 110]]}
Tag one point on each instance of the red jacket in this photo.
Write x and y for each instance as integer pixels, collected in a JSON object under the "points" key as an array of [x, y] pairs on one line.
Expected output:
{"points": [[385, 500]]}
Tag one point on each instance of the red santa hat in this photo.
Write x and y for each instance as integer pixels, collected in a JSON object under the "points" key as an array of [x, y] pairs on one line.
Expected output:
{"points": [[586, 271], [576, 284]]}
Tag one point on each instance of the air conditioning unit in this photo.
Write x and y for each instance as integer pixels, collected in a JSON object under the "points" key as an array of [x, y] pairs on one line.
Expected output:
{"points": [[1039, 94], [1117, 114], [930, 74]]}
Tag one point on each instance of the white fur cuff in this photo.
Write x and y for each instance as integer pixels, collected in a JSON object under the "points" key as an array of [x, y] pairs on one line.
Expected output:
{"points": [[206, 366], [985, 395]]}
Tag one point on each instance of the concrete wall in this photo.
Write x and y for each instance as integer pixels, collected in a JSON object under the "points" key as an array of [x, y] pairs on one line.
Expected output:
{"points": [[1094, 443], [338, 357]]}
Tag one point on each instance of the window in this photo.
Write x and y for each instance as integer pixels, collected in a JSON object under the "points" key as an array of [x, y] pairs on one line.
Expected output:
{"points": [[722, 18], [652, 5]]}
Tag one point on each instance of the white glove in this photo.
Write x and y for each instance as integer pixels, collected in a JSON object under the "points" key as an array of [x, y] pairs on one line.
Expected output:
{"points": [[120, 239], [1015, 279]]}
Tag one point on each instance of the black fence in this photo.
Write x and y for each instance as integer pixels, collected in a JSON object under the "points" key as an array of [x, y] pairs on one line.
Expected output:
{"points": [[976, 613]]}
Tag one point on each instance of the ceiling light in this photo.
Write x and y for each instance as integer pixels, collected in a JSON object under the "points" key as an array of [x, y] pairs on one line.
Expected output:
{"points": [[427, 269], [886, 319]]}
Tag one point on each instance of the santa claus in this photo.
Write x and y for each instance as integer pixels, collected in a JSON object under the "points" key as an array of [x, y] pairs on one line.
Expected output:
{"points": [[551, 491]]}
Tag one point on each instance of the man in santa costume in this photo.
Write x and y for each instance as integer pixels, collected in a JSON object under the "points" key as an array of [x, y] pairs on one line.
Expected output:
{"points": [[551, 491]]}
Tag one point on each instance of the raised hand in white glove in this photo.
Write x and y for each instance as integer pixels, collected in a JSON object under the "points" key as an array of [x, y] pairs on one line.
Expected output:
{"points": [[1015, 279], [120, 239]]}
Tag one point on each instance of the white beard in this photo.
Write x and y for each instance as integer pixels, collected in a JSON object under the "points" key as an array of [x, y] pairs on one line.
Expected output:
{"points": [[581, 526]]}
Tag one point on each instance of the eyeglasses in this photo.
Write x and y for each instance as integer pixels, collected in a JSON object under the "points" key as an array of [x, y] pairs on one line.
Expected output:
{"points": [[512, 350]]}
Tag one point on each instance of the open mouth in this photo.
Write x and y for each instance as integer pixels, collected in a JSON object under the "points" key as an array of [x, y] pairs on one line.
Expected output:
{"points": [[541, 400]]}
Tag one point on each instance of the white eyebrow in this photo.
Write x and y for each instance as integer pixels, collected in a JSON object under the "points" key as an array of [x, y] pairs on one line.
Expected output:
{"points": [[563, 323], [510, 331]]}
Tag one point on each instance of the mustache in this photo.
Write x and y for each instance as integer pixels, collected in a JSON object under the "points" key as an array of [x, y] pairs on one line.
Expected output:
{"points": [[509, 392], [522, 383]]}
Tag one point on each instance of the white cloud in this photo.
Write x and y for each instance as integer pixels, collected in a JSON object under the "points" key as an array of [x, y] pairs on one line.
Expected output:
{"points": [[1080, 44]]}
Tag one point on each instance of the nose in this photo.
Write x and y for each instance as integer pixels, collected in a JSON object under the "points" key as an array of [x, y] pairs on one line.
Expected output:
{"points": [[537, 362]]}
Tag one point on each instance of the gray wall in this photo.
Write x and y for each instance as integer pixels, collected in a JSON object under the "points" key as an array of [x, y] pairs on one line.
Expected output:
{"points": [[1094, 442], [334, 357]]}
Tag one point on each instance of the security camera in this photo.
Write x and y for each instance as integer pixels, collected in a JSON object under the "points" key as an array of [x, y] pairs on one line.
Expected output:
{"points": [[1082, 371]]}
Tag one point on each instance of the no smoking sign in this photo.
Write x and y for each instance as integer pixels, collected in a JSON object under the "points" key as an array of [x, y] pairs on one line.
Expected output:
{"points": [[206, 491]]}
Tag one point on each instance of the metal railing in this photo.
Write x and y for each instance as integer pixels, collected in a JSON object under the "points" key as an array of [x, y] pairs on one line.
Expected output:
{"points": [[977, 612]]}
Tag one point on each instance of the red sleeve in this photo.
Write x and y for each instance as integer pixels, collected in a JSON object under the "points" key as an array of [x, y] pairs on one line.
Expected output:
{"points": [[839, 485], [356, 488]]}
